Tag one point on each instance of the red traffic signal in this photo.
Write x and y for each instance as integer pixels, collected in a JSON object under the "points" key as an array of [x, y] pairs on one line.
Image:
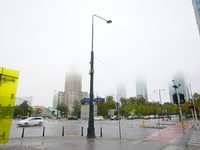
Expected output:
{"points": [[191, 105]]}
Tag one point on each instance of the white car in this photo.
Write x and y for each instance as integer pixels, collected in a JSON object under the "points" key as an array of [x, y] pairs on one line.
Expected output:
{"points": [[32, 121], [98, 118]]}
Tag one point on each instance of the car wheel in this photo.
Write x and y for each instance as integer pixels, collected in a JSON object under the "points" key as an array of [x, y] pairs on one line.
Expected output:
{"points": [[26, 124], [40, 123]]}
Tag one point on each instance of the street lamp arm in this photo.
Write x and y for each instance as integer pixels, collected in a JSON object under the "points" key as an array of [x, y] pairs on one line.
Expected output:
{"points": [[108, 21]]}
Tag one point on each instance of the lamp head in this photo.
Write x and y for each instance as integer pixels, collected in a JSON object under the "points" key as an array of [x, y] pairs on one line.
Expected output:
{"points": [[109, 21]]}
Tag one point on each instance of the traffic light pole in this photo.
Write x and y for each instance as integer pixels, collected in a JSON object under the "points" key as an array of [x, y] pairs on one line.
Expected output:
{"points": [[194, 109], [180, 113]]}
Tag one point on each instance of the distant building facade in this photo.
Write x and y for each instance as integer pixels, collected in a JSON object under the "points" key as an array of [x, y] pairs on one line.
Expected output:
{"points": [[141, 88], [121, 92], [72, 92], [85, 111], [183, 88], [196, 5], [55, 99], [19, 101]]}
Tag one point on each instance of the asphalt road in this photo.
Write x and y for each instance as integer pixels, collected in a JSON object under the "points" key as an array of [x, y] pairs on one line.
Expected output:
{"points": [[129, 128]]}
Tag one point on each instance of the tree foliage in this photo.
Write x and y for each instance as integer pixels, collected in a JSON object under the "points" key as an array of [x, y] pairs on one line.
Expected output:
{"points": [[77, 108], [62, 108], [139, 106], [22, 109]]}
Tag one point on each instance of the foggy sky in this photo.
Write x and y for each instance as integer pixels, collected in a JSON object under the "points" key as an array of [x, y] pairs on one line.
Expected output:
{"points": [[44, 39]]}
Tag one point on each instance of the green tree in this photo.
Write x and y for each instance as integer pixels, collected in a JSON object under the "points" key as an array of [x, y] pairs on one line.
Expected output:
{"points": [[36, 112], [24, 106], [83, 103], [62, 108], [110, 102], [102, 108], [18, 111], [77, 108]]}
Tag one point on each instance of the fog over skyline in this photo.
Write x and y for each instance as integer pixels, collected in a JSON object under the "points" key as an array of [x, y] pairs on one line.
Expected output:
{"points": [[45, 39]]}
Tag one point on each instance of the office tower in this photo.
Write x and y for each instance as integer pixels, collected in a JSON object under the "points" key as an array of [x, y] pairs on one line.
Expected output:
{"points": [[73, 88], [55, 99], [178, 78], [196, 5], [121, 91], [141, 88]]}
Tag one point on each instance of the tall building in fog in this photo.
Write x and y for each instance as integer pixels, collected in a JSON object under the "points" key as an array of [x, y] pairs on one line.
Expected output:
{"points": [[55, 99], [141, 88], [73, 90], [183, 88], [196, 5], [121, 91]]}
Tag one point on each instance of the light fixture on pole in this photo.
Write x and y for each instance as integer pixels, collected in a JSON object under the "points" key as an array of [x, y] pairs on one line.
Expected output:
{"points": [[91, 129]]}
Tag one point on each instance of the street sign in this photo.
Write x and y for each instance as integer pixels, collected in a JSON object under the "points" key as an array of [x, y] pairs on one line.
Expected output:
{"points": [[95, 100], [99, 100], [162, 111], [40, 111], [86, 99]]}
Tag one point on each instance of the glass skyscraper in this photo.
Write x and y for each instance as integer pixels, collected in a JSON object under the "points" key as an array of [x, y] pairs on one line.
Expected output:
{"points": [[196, 5], [183, 88], [141, 88]]}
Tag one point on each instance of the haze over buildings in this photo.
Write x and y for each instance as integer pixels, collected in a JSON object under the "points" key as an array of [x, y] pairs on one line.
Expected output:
{"points": [[141, 87], [73, 90], [42, 39], [179, 79]]}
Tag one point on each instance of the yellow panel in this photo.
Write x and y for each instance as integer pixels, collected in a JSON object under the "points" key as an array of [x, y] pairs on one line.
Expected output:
{"points": [[8, 88]]}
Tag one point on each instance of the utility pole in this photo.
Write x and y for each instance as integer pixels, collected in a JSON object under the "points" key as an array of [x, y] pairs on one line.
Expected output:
{"points": [[194, 108]]}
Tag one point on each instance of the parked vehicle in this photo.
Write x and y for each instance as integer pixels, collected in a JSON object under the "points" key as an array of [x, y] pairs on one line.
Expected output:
{"points": [[72, 118], [147, 117], [112, 118], [117, 118], [32, 121], [151, 116], [130, 118], [98, 118], [24, 117]]}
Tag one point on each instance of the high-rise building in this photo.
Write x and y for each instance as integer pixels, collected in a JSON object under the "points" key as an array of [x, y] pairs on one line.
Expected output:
{"points": [[72, 92], [179, 79], [196, 5], [121, 92], [55, 99], [141, 88], [73, 88]]}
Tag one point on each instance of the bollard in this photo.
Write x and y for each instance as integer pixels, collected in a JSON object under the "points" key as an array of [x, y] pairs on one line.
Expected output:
{"points": [[101, 131], [143, 123], [63, 132], [119, 130], [82, 131], [23, 132], [43, 131]]}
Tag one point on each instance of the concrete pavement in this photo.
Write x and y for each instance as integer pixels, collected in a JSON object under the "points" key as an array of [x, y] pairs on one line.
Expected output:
{"points": [[75, 142]]}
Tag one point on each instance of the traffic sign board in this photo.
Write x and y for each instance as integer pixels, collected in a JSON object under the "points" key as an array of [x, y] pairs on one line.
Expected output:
{"points": [[40, 111]]}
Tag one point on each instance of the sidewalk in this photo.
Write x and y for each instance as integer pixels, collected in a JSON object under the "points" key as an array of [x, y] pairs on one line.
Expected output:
{"points": [[73, 142]]}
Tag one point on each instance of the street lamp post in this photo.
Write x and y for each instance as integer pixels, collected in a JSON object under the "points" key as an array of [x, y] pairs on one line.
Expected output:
{"points": [[29, 105], [91, 129], [160, 95]]}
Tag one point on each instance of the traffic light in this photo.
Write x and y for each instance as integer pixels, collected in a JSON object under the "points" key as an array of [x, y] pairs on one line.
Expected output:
{"points": [[175, 98], [182, 98], [191, 106]]}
